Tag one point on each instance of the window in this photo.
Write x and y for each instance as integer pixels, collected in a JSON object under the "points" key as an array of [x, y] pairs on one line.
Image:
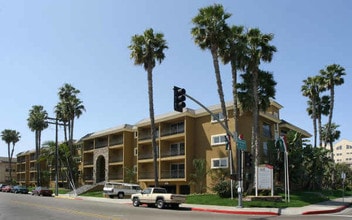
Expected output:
{"points": [[177, 128], [219, 163], [216, 116], [218, 139], [265, 148], [177, 149], [266, 130], [177, 170]]}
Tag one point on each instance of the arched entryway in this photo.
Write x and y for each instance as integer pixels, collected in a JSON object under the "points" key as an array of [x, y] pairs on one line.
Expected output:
{"points": [[100, 169]]}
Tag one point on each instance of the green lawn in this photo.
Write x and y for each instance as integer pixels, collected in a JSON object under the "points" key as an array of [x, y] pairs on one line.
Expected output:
{"points": [[297, 199]]}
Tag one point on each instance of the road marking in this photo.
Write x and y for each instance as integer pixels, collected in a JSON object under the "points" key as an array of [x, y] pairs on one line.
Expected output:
{"points": [[75, 212]]}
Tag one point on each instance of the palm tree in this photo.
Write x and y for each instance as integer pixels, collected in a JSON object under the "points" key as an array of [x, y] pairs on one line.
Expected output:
{"points": [[234, 53], [37, 123], [333, 134], [311, 88], [332, 76], [259, 49], [146, 49], [210, 32], [322, 106], [10, 136], [69, 108], [266, 90]]}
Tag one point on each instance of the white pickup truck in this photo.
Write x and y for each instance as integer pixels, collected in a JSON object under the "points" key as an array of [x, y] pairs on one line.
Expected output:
{"points": [[156, 196]]}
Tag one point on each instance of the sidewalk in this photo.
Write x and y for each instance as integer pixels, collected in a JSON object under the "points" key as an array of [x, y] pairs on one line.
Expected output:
{"points": [[331, 206]]}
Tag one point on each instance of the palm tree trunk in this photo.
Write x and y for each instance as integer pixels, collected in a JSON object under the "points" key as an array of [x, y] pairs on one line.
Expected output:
{"points": [[214, 53], [152, 122], [8, 153], [332, 94], [314, 120]]}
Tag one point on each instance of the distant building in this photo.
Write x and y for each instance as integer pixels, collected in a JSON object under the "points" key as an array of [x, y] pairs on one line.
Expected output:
{"points": [[343, 152], [5, 169]]}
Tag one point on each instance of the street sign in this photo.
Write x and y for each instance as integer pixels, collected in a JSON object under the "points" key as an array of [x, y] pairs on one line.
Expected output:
{"points": [[241, 144]]}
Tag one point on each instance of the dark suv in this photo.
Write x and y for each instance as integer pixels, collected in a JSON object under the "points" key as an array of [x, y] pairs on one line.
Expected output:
{"points": [[20, 189]]}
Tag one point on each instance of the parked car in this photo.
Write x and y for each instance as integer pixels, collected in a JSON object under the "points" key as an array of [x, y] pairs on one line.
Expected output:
{"points": [[42, 191], [120, 190], [20, 189], [7, 188], [2, 186]]}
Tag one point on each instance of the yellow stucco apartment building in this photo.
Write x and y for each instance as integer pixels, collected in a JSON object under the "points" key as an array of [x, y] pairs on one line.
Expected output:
{"points": [[181, 137]]}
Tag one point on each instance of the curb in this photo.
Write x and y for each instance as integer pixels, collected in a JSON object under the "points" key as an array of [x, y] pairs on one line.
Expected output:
{"points": [[326, 211], [235, 212]]}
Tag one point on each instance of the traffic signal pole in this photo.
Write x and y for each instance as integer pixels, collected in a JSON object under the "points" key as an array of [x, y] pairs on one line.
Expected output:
{"points": [[228, 132]]}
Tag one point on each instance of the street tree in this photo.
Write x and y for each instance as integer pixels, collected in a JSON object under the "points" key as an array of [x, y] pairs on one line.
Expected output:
{"points": [[146, 50], [37, 123], [311, 89], [332, 76], [10, 136], [67, 110], [210, 32], [259, 50]]}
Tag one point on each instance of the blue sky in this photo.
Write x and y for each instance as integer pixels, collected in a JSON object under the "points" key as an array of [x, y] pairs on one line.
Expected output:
{"points": [[44, 44]]}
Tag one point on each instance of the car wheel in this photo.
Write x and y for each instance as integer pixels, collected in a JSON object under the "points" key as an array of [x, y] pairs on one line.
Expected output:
{"points": [[120, 195], [135, 202], [160, 204]]}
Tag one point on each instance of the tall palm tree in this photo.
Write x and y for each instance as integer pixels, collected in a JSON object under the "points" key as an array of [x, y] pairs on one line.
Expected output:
{"points": [[146, 49], [322, 107], [333, 76], [37, 123], [259, 49], [311, 89], [235, 54], [68, 108], [10, 136], [210, 32]]}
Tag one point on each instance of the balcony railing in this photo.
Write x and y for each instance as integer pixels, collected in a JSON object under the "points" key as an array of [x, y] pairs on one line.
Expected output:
{"points": [[115, 176], [145, 175], [145, 156], [115, 159], [172, 154], [167, 132], [173, 174], [88, 163], [88, 147]]}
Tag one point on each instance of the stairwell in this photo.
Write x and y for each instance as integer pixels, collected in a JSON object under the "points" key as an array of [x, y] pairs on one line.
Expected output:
{"points": [[87, 188]]}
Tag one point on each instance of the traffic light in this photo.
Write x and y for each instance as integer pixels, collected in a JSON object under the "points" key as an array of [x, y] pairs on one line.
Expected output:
{"points": [[179, 99], [248, 159]]}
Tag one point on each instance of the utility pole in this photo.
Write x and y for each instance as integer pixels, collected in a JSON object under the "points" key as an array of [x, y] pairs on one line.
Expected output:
{"points": [[55, 121]]}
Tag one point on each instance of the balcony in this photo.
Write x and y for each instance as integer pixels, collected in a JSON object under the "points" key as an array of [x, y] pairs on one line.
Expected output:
{"points": [[173, 174], [88, 147], [116, 176], [171, 129], [145, 175], [116, 159], [145, 156]]}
